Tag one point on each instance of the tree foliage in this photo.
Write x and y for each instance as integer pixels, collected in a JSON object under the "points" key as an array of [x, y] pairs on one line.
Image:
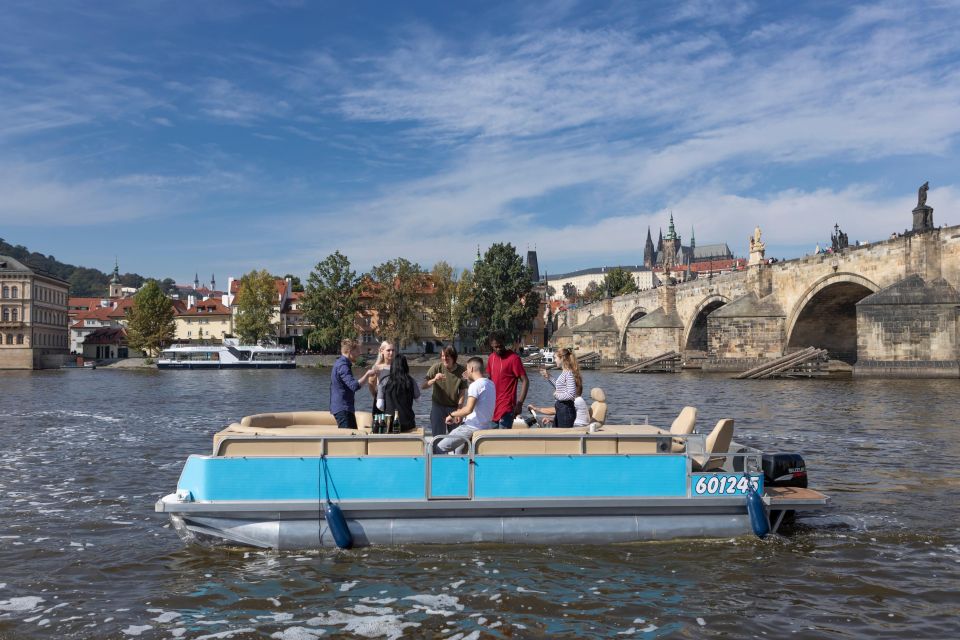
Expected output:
{"points": [[569, 291], [449, 304], [396, 287], [618, 282], [592, 292], [83, 280], [331, 301], [256, 297], [295, 284], [150, 323], [503, 295]]}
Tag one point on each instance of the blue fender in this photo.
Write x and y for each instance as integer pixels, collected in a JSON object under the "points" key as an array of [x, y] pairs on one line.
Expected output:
{"points": [[758, 514], [337, 524]]}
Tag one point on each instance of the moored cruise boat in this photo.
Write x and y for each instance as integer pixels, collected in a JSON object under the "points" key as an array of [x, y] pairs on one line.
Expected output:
{"points": [[296, 481], [229, 355]]}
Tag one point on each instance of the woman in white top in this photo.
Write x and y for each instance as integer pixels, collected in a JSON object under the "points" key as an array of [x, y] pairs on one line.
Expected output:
{"points": [[583, 419], [567, 387], [382, 366]]}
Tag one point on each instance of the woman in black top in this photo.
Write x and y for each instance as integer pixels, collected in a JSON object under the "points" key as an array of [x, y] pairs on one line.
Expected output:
{"points": [[400, 391]]}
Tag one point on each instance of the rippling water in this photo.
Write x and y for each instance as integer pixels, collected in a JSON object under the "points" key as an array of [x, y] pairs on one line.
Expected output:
{"points": [[84, 455]]}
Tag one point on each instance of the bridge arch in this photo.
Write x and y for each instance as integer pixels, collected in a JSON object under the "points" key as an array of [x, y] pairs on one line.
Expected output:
{"points": [[635, 314], [825, 316], [695, 333]]}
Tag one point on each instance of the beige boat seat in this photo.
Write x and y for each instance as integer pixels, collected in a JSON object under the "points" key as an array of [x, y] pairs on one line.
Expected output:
{"points": [[301, 433], [598, 408], [295, 418], [683, 425], [717, 442], [612, 439]]}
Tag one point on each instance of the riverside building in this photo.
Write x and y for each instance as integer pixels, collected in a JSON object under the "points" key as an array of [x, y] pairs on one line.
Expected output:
{"points": [[33, 317]]}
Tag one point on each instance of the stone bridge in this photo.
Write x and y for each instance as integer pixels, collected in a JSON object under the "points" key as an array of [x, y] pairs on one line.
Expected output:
{"points": [[889, 308]]}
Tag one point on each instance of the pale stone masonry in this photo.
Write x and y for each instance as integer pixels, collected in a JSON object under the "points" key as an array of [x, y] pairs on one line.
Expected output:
{"points": [[33, 317], [889, 308]]}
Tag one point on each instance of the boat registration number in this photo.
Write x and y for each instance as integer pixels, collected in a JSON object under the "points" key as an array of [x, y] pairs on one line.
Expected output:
{"points": [[735, 484]]}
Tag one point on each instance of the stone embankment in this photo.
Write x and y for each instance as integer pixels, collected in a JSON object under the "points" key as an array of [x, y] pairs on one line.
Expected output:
{"points": [[416, 362]]}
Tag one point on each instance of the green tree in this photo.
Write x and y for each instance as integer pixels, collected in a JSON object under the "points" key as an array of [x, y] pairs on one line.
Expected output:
{"points": [[295, 284], [331, 301], [449, 304], [396, 287], [150, 322], [503, 295], [618, 282], [592, 292], [569, 291], [256, 297]]}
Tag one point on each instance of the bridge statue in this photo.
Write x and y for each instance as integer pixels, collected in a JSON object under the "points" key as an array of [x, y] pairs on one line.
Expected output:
{"points": [[756, 248], [922, 213]]}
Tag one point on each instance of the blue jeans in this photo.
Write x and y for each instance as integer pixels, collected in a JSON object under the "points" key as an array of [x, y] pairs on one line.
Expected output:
{"points": [[505, 421], [346, 419]]}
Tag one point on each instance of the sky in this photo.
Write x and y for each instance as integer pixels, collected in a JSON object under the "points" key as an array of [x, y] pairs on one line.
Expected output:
{"points": [[220, 137]]}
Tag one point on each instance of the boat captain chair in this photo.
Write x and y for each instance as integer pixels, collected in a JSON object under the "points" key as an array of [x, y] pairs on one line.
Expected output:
{"points": [[598, 409], [718, 442], [682, 425]]}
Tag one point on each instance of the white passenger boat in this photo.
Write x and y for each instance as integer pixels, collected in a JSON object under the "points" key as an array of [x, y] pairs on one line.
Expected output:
{"points": [[230, 355], [296, 481]]}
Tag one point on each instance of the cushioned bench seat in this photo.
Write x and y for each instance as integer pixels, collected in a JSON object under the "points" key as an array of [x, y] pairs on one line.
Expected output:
{"points": [[611, 439], [292, 434]]}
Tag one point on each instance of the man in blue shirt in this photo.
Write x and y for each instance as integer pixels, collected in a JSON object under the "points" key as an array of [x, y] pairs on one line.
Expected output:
{"points": [[343, 386]]}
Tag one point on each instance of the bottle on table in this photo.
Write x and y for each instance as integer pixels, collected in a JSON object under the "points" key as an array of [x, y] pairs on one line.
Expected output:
{"points": [[395, 424]]}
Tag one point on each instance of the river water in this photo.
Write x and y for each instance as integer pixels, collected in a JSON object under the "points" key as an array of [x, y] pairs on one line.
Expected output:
{"points": [[84, 455]]}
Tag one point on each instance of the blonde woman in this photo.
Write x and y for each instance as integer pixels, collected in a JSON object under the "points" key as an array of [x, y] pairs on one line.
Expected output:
{"points": [[382, 366], [567, 387]]}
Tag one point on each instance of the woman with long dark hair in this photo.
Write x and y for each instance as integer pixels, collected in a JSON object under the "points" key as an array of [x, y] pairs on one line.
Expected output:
{"points": [[399, 392]]}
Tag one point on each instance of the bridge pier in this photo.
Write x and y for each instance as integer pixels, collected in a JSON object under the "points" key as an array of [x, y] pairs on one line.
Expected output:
{"points": [[909, 330]]}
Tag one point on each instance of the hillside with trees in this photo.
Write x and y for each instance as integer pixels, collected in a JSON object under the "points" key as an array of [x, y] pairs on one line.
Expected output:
{"points": [[83, 281]]}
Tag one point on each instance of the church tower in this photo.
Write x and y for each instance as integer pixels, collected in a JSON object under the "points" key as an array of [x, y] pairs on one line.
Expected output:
{"points": [[115, 290], [649, 255], [213, 282]]}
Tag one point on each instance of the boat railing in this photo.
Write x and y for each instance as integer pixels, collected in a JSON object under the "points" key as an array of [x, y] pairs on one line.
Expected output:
{"points": [[743, 461]]}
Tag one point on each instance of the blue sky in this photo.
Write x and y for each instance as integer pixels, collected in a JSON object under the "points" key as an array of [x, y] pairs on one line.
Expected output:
{"points": [[219, 137]]}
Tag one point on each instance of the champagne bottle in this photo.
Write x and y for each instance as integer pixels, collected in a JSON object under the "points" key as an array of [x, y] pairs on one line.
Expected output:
{"points": [[395, 427]]}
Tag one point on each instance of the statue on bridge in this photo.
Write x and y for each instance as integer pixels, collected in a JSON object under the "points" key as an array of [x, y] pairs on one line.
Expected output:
{"points": [[922, 213], [839, 240], [756, 248]]}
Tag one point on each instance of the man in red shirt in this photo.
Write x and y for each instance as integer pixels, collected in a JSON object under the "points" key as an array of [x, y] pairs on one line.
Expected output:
{"points": [[506, 370]]}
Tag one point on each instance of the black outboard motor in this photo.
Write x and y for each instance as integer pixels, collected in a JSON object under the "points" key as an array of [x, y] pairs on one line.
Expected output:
{"points": [[784, 470]]}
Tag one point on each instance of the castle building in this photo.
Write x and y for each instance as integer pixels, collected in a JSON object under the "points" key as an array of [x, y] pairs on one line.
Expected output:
{"points": [[670, 252], [33, 317]]}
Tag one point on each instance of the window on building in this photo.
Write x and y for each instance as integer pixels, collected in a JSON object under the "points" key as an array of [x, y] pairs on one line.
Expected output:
{"points": [[19, 338], [6, 315], [14, 292], [9, 338], [6, 291], [13, 314]]}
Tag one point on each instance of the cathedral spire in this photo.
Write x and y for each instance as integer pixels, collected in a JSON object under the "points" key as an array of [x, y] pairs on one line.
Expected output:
{"points": [[693, 239], [649, 254]]}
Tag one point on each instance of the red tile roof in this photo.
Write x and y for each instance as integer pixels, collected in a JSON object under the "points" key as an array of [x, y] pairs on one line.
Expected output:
{"points": [[279, 282], [81, 304], [209, 307]]}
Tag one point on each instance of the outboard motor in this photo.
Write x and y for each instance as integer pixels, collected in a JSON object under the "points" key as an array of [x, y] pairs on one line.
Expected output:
{"points": [[784, 470]]}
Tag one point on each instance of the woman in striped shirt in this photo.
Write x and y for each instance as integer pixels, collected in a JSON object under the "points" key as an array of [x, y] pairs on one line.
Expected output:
{"points": [[567, 387]]}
